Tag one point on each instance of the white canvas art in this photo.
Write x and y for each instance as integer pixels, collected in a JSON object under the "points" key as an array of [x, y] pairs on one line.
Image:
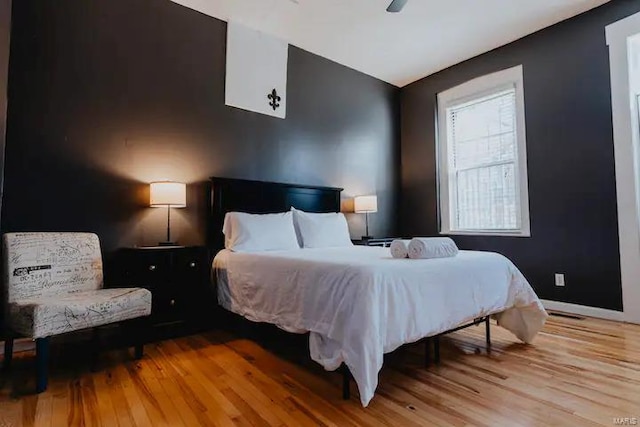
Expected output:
{"points": [[256, 71]]}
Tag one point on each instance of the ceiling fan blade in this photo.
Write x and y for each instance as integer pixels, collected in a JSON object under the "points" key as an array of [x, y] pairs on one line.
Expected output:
{"points": [[396, 5]]}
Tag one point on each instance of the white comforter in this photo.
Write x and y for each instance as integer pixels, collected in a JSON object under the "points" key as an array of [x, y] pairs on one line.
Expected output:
{"points": [[359, 303]]}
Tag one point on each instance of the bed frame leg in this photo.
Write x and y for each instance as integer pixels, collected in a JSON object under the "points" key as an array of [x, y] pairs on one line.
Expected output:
{"points": [[346, 382], [427, 352], [488, 332], [436, 349]]}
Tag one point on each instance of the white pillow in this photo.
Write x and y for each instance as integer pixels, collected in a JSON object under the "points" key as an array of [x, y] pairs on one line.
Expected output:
{"points": [[245, 232], [321, 230]]}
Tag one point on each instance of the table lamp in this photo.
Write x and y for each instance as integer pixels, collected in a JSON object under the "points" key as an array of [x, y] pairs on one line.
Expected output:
{"points": [[171, 195], [366, 205]]}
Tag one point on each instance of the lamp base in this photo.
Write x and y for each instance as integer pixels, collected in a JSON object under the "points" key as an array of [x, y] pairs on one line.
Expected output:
{"points": [[168, 244]]}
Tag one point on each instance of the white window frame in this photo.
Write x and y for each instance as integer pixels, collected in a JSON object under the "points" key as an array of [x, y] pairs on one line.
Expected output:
{"points": [[473, 89], [626, 143]]}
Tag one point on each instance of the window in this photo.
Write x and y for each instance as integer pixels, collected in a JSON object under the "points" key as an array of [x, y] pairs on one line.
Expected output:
{"points": [[482, 157]]}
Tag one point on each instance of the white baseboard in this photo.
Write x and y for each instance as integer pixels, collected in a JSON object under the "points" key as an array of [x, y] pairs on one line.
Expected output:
{"points": [[583, 310]]}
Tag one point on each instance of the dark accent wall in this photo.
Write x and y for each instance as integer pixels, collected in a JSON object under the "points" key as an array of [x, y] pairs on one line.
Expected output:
{"points": [[106, 95], [571, 170], [5, 35]]}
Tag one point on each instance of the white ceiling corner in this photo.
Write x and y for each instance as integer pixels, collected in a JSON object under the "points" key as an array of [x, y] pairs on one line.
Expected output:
{"points": [[426, 37]]}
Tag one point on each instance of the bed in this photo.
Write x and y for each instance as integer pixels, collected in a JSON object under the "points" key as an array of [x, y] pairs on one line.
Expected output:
{"points": [[358, 303]]}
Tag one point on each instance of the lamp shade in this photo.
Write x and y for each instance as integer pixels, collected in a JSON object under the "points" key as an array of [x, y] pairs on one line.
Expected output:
{"points": [[167, 193], [365, 204]]}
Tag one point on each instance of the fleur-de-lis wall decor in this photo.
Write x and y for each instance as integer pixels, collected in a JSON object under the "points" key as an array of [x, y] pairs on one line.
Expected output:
{"points": [[275, 99]]}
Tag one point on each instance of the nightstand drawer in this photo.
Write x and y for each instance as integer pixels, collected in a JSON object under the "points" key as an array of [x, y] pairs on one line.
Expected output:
{"points": [[168, 307], [190, 260], [146, 269]]}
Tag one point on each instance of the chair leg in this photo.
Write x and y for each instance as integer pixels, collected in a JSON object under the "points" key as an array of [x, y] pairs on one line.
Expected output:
{"points": [[42, 364], [139, 328], [95, 349], [138, 350], [8, 354]]}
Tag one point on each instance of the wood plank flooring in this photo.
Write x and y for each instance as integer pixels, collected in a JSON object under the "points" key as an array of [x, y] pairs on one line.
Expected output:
{"points": [[578, 372]]}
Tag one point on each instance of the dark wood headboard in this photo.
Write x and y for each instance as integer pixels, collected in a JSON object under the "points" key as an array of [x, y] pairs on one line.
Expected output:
{"points": [[259, 197]]}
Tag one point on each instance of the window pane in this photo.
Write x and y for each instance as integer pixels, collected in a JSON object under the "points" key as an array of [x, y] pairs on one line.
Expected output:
{"points": [[483, 131], [486, 198], [484, 151]]}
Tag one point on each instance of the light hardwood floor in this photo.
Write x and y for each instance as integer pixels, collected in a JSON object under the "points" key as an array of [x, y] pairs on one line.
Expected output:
{"points": [[578, 373]]}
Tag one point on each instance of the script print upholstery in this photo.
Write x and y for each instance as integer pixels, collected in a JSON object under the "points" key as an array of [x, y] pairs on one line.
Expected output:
{"points": [[54, 285]]}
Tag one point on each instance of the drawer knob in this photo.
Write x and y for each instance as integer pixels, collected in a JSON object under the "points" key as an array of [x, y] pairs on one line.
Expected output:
{"points": [[192, 264], [152, 267], [172, 302]]}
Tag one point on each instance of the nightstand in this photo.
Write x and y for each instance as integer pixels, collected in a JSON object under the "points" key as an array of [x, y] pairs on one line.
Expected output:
{"points": [[384, 242], [177, 276]]}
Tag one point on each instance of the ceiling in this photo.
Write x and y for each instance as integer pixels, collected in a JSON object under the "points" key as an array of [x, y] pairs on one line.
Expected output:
{"points": [[426, 37]]}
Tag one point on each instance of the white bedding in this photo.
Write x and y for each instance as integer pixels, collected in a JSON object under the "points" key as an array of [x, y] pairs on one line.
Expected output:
{"points": [[359, 303]]}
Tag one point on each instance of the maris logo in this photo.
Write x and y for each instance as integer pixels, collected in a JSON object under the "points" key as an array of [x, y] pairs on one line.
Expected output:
{"points": [[626, 421]]}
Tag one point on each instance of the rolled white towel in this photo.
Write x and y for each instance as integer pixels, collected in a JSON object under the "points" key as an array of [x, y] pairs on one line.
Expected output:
{"points": [[400, 248], [432, 247]]}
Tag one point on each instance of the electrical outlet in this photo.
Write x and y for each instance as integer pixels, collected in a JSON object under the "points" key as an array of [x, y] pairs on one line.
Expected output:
{"points": [[559, 279]]}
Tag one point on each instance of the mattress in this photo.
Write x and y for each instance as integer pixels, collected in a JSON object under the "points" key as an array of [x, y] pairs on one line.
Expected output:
{"points": [[359, 303]]}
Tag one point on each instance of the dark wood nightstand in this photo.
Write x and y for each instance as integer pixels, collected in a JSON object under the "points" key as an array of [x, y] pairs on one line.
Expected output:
{"points": [[177, 276], [384, 242]]}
